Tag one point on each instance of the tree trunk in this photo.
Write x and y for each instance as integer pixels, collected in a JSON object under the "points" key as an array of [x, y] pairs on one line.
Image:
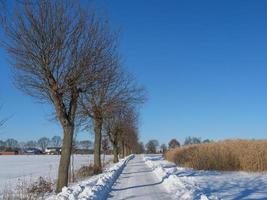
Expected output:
{"points": [[63, 170], [127, 150], [115, 153], [97, 146], [123, 149]]}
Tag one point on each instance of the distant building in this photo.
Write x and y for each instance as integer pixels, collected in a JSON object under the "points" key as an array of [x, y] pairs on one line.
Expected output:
{"points": [[5, 153], [32, 151], [53, 150]]}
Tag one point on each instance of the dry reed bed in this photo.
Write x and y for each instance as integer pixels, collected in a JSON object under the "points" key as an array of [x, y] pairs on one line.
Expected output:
{"points": [[228, 155]]}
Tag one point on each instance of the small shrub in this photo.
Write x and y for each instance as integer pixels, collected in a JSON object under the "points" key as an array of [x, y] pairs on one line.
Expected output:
{"points": [[97, 170], [85, 171], [40, 187], [228, 155]]}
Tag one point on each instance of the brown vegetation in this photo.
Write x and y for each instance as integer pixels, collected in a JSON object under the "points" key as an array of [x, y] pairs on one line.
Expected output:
{"points": [[26, 191], [229, 155], [85, 171], [88, 170]]}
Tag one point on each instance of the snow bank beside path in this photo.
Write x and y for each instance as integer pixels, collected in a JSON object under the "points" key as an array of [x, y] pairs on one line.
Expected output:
{"points": [[167, 172], [189, 184], [95, 188]]}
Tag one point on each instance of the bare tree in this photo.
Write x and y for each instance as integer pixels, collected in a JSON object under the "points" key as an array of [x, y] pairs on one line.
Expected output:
{"points": [[122, 131], [105, 147], [54, 46], [113, 130], [114, 88], [11, 143], [163, 148], [151, 146], [139, 149], [43, 143], [173, 144], [56, 141], [129, 136], [192, 140]]}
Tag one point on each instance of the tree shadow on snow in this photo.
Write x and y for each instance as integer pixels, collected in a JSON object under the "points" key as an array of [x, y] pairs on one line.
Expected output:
{"points": [[138, 172], [140, 186], [250, 189]]}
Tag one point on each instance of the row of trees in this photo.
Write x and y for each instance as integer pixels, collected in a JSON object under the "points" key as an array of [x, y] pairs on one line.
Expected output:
{"points": [[153, 145], [42, 143], [65, 55]]}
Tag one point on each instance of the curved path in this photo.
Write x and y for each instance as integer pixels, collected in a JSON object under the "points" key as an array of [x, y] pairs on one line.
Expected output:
{"points": [[138, 181]]}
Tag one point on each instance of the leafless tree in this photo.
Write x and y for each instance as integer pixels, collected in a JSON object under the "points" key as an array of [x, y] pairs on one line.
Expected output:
{"points": [[140, 148], [105, 147], [11, 143], [43, 143], [151, 146], [121, 127], [113, 89], [54, 48], [173, 144], [163, 148], [129, 137], [56, 141]]}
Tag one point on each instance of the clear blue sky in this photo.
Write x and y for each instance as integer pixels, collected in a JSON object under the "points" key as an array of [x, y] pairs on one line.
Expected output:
{"points": [[204, 64]]}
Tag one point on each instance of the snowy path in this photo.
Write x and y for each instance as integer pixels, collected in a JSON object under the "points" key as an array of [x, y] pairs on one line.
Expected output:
{"points": [[138, 181]]}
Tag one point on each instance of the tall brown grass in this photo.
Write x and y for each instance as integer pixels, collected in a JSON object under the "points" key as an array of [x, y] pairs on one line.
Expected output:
{"points": [[228, 155]]}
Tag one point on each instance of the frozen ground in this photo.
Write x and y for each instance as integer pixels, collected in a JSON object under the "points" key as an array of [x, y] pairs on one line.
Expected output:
{"points": [[138, 181], [190, 184], [27, 168], [142, 177], [94, 188]]}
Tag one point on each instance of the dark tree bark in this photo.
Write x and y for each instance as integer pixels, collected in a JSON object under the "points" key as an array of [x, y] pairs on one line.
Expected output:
{"points": [[115, 152], [123, 149], [97, 145], [63, 171]]}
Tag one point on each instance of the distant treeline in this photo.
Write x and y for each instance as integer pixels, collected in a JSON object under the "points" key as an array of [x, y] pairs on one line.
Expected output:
{"points": [[153, 146], [12, 144]]}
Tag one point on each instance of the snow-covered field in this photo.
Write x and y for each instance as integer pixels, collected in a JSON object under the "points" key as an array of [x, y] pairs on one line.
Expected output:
{"points": [[190, 184], [27, 168]]}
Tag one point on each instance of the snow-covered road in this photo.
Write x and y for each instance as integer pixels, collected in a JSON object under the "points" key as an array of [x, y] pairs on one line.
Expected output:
{"points": [[138, 181]]}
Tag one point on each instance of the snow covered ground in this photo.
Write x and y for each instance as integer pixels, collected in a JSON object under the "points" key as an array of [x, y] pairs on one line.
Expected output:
{"points": [[94, 188], [144, 177], [138, 182], [190, 184], [27, 168]]}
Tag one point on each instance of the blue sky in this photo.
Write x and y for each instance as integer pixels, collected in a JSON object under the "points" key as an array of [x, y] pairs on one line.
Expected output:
{"points": [[204, 64]]}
